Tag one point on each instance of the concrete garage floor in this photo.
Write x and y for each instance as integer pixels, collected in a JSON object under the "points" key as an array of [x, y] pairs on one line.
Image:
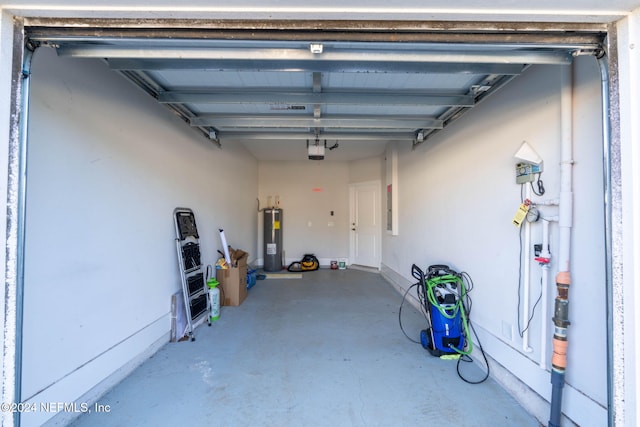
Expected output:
{"points": [[324, 350]]}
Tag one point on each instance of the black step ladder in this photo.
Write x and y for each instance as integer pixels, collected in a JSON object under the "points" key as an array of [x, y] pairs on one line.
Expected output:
{"points": [[196, 301]]}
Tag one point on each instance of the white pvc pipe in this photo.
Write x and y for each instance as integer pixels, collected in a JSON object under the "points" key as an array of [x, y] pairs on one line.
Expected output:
{"points": [[545, 253], [566, 166], [551, 202], [526, 279]]}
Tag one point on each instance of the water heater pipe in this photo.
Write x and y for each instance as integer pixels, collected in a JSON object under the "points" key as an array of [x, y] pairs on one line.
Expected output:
{"points": [[563, 278]]}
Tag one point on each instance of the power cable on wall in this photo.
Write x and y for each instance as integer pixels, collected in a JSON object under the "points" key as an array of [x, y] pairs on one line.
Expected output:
{"points": [[532, 216]]}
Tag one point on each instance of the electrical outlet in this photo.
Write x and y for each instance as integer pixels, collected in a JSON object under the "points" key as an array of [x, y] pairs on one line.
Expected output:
{"points": [[537, 249]]}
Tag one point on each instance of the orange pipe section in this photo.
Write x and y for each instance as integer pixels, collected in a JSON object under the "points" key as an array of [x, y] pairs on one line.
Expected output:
{"points": [[559, 358], [563, 278]]}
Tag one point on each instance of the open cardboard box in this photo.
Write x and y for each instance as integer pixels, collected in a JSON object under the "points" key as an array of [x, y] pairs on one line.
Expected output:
{"points": [[234, 280]]}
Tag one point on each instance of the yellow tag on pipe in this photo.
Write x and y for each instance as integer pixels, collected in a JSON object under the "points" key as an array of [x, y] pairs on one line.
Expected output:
{"points": [[521, 214]]}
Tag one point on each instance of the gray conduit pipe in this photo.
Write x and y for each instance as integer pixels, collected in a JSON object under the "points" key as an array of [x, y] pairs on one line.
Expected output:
{"points": [[563, 278], [604, 64], [21, 219]]}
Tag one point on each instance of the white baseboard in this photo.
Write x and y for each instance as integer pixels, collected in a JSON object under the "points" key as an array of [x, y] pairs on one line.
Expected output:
{"points": [[324, 262], [131, 353]]}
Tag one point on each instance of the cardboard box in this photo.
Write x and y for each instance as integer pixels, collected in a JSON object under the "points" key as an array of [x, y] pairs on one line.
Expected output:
{"points": [[234, 280], [238, 257], [234, 285]]}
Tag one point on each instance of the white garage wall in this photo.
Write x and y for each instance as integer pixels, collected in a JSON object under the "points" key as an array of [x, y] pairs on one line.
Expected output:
{"points": [[308, 192], [457, 197], [106, 167], [365, 170]]}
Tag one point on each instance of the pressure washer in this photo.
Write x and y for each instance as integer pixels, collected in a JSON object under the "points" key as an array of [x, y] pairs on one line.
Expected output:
{"points": [[443, 296], [442, 293]]}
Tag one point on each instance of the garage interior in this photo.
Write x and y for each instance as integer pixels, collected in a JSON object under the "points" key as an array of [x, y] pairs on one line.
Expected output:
{"points": [[224, 117], [294, 354]]}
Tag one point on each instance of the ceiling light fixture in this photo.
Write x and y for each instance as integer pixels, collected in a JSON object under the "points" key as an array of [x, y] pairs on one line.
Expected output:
{"points": [[316, 48]]}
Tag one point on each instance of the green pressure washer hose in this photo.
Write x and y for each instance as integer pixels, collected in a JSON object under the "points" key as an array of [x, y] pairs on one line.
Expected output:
{"points": [[426, 295], [431, 285]]}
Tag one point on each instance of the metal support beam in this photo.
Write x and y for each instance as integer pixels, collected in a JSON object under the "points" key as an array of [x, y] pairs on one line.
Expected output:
{"points": [[357, 54], [302, 98], [563, 34], [298, 135], [317, 88], [317, 65], [293, 121]]}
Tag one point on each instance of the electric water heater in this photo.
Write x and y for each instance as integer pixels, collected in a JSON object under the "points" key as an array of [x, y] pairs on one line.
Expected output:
{"points": [[272, 239]]}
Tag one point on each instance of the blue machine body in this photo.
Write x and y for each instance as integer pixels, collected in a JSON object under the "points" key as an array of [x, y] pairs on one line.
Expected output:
{"points": [[446, 332], [442, 298]]}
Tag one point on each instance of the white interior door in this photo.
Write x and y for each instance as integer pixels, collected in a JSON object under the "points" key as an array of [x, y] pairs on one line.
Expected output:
{"points": [[365, 225]]}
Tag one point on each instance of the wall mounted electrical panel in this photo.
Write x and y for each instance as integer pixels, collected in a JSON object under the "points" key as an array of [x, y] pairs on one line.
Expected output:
{"points": [[525, 172]]}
